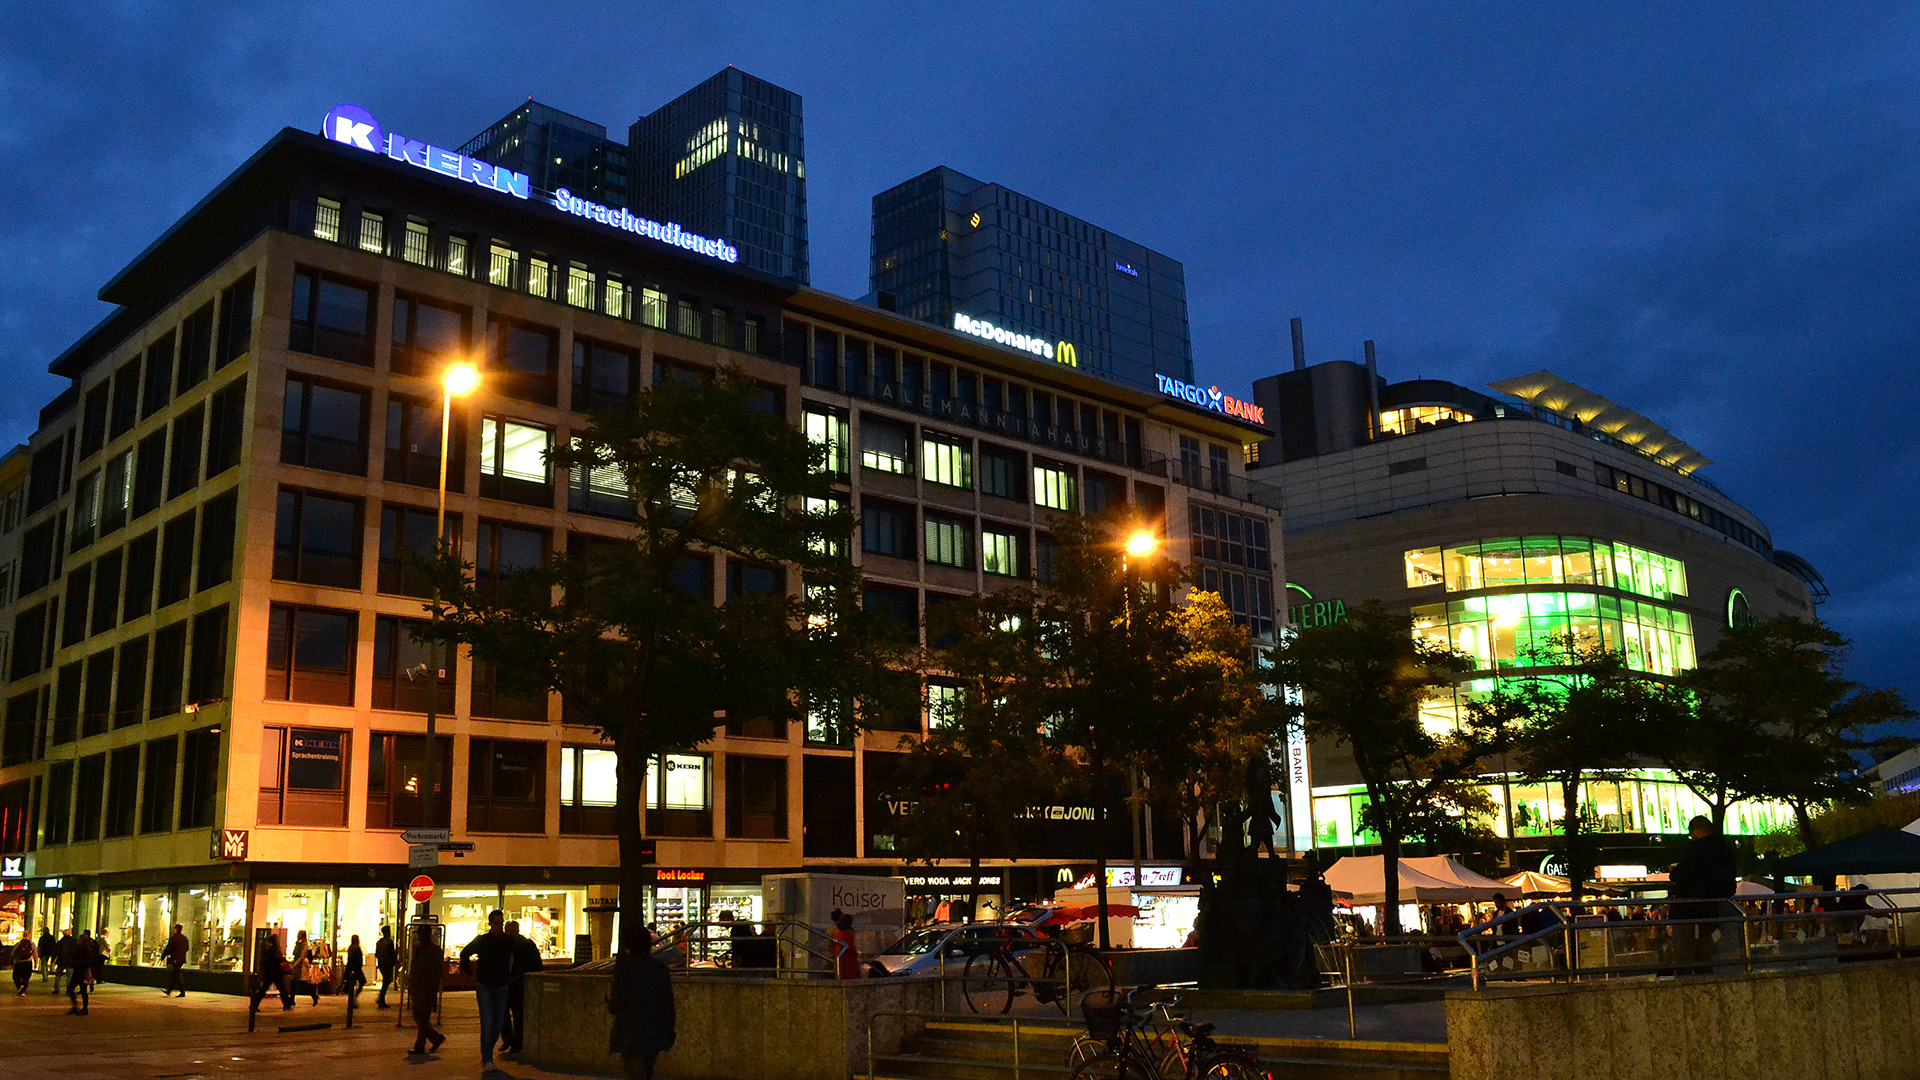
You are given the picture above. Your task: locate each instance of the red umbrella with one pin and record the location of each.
(1092, 911)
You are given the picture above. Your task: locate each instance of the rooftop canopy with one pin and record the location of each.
(1545, 390)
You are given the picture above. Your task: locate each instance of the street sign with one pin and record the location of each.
(454, 845)
(423, 856)
(427, 836)
(421, 889)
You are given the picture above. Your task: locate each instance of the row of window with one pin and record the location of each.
(1680, 503)
(501, 263)
(153, 571)
(1523, 629)
(1547, 560)
(951, 540)
(138, 480)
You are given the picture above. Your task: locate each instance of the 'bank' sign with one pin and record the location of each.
(351, 125)
(1211, 398)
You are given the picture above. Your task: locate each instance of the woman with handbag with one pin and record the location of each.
(302, 961)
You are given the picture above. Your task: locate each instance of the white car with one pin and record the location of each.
(923, 951)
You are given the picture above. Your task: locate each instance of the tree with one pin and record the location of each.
(1775, 718)
(1587, 721)
(629, 635)
(985, 758)
(1360, 684)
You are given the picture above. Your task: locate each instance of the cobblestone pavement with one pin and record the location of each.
(135, 1033)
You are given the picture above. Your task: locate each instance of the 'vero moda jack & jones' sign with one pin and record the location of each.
(354, 126)
(1211, 398)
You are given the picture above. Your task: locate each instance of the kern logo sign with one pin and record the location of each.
(1211, 398)
(351, 125)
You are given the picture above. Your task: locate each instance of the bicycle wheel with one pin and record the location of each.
(989, 982)
(1085, 1049)
(1112, 1066)
(1229, 1067)
(1085, 970)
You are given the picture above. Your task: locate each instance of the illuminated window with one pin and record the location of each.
(579, 286)
(414, 248)
(943, 703)
(1419, 417)
(513, 461)
(619, 298)
(829, 430)
(1053, 486)
(886, 446)
(1000, 553)
(457, 255)
(679, 782)
(540, 278)
(947, 461)
(653, 307)
(373, 232)
(947, 541)
(1548, 560)
(504, 266)
(326, 221)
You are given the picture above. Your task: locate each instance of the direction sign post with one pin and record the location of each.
(426, 836)
(423, 856)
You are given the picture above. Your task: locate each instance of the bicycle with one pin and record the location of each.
(1178, 1050)
(1161, 1043)
(998, 974)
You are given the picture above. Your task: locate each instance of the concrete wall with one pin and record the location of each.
(732, 1028)
(1860, 1021)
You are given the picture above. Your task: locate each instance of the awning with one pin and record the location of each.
(1881, 850)
(1364, 878)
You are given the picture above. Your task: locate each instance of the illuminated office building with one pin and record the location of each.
(947, 246)
(556, 150)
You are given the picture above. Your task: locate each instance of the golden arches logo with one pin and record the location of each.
(1065, 353)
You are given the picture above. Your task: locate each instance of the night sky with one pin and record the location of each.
(1710, 215)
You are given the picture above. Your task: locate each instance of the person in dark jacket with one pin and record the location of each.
(383, 961)
(426, 967)
(526, 957)
(270, 971)
(489, 958)
(1702, 881)
(82, 960)
(62, 957)
(22, 964)
(641, 1002)
(177, 961)
(354, 978)
(45, 948)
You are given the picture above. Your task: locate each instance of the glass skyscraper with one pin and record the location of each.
(947, 245)
(556, 150)
(727, 159)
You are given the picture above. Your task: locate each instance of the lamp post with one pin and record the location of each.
(1140, 545)
(458, 380)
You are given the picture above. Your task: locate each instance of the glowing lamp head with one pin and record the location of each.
(1141, 544)
(461, 379)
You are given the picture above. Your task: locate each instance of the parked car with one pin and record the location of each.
(925, 951)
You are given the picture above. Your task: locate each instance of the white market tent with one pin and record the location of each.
(1434, 879)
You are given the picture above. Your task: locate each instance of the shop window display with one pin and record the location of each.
(120, 922)
(290, 909)
(156, 926)
(549, 917)
(215, 917)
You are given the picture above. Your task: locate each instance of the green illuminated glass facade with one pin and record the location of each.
(1648, 801)
(1547, 560)
(1508, 628)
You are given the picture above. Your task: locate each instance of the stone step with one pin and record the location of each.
(922, 1067)
(963, 1050)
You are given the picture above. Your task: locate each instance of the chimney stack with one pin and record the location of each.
(1373, 393)
(1299, 346)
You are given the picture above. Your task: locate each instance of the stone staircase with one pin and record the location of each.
(977, 1050)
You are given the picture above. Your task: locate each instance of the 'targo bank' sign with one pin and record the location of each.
(1211, 398)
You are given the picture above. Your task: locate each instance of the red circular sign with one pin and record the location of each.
(421, 889)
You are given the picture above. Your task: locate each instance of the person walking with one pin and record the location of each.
(383, 960)
(354, 978)
(45, 948)
(1704, 880)
(526, 957)
(177, 962)
(489, 958)
(641, 1002)
(23, 954)
(426, 967)
(271, 970)
(63, 959)
(80, 967)
(849, 958)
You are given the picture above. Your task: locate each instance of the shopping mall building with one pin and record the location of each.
(215, 709)
(1500, 521)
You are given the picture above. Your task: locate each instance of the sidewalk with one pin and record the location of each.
(134, 1033)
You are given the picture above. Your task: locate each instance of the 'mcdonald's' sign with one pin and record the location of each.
(1211, 398)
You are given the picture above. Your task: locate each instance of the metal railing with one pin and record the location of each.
(793, 950)
(1560, 940)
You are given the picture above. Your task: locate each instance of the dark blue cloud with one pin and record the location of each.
(1711, 216)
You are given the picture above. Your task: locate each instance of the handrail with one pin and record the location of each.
(1687, 944)
(682, 942)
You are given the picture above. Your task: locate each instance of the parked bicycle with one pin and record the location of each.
(1181, 1051)
(1055, 970)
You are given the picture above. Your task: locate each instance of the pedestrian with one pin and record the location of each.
(526, 958)
(80, 963)
(489, 958)
(426, 967)
(177, 962)
(641, 1001)
(1704, 879)
(63, 958)
(383, 958)
(849, 958)
(354, 979)
(45, 948)
(271, 969)
(22, 963)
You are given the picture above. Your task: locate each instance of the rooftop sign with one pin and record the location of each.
(1211, 398)
(668, 233)
(1063, 352)
(354, 126)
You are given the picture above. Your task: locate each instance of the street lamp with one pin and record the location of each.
(458, 380)
(1139, 545)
